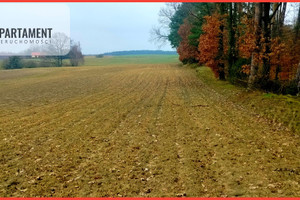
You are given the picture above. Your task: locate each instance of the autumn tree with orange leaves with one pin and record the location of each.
(187, 52)
(209, 43)
(283, 57)
(246, 43)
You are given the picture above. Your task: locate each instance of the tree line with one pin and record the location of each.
(139, 52)
(61, 45)
(245, 43)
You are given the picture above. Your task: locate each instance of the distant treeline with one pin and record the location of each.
(73, 58)
(138, 52)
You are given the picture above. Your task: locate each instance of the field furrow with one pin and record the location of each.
(136, 130)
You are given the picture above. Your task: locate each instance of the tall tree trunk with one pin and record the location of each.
(220, 56)
(297, 27)
(240, 9)
(257, 29)
(232, 27)
(239, 14)
(274, 22)
(282, 14)
(281, 18)
(231, 40)
(277, 20)
(267, 35)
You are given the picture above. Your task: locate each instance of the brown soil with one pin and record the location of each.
(139, 130)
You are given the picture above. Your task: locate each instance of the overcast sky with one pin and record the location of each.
(106, 27)
(99, 27)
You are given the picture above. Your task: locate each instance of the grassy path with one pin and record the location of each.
(138, 130)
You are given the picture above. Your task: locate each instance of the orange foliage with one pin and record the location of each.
(209, 41)
(247, 44)
(186, 51)
(282, 57)
(247, 39)
(246, 69)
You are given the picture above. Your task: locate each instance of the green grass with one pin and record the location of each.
(1, 61)
(281, 109)
(132, 59)
(118, 60)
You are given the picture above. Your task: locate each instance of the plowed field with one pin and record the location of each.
(136, 130)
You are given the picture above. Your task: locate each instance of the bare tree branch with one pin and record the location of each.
(159, 34)
(158, 37)
(276, 9)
